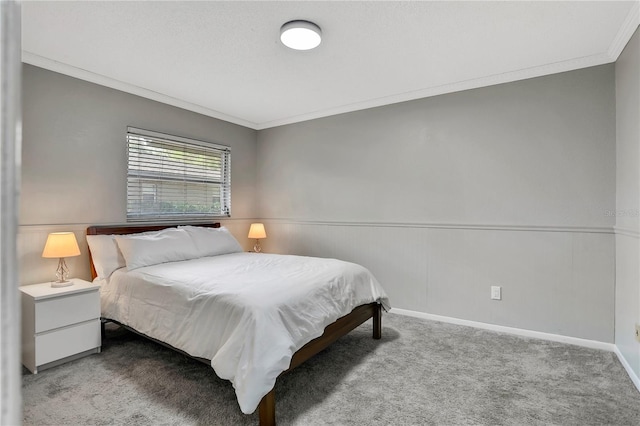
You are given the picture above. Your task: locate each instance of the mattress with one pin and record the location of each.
(246, 312)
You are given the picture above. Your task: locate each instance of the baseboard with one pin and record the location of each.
(593, 344)
(632, 374)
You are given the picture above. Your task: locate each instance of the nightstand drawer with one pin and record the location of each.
(67, 341)
(62, 311)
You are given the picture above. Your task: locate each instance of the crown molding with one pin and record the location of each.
(622, 38)
(491, 80)
(102, 80)
(625, 32)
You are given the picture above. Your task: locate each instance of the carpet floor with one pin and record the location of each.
(420, 373)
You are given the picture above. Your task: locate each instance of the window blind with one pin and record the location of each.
(173, 178)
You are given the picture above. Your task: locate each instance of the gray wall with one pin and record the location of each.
(74, 161)
(628, 202)
(441, 198)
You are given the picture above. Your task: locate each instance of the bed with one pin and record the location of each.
(272, 312)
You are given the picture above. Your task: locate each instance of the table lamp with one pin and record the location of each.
(61, 245)
(257, 231)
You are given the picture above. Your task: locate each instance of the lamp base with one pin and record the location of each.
(58, 284)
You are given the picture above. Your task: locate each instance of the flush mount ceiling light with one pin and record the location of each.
(300, 35)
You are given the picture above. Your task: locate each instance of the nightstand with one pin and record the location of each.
(59, 324)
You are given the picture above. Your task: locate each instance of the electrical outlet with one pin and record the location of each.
(496, 292)
(638, 332)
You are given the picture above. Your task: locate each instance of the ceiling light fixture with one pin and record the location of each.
(300, 35)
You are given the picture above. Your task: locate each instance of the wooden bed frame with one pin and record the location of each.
(266, 409)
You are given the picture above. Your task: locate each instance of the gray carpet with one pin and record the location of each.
(420, 373)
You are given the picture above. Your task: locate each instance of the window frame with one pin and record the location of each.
(164, 139)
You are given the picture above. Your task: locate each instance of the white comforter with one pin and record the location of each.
(248, 313)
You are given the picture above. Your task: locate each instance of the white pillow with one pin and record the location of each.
(213, 241)
(169, 245)
(105, 254)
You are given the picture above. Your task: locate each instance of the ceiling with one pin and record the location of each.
(225, 60)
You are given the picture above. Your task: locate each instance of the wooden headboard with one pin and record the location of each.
(134, 228)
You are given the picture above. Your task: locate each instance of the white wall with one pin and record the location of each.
(628, 202)
(74, 161)
(443, 197)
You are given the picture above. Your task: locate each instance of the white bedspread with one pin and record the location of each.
(248, 313)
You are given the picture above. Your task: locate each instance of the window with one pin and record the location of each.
(173, 178)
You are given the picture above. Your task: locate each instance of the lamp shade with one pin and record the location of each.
(257, 231)
(61, 244)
